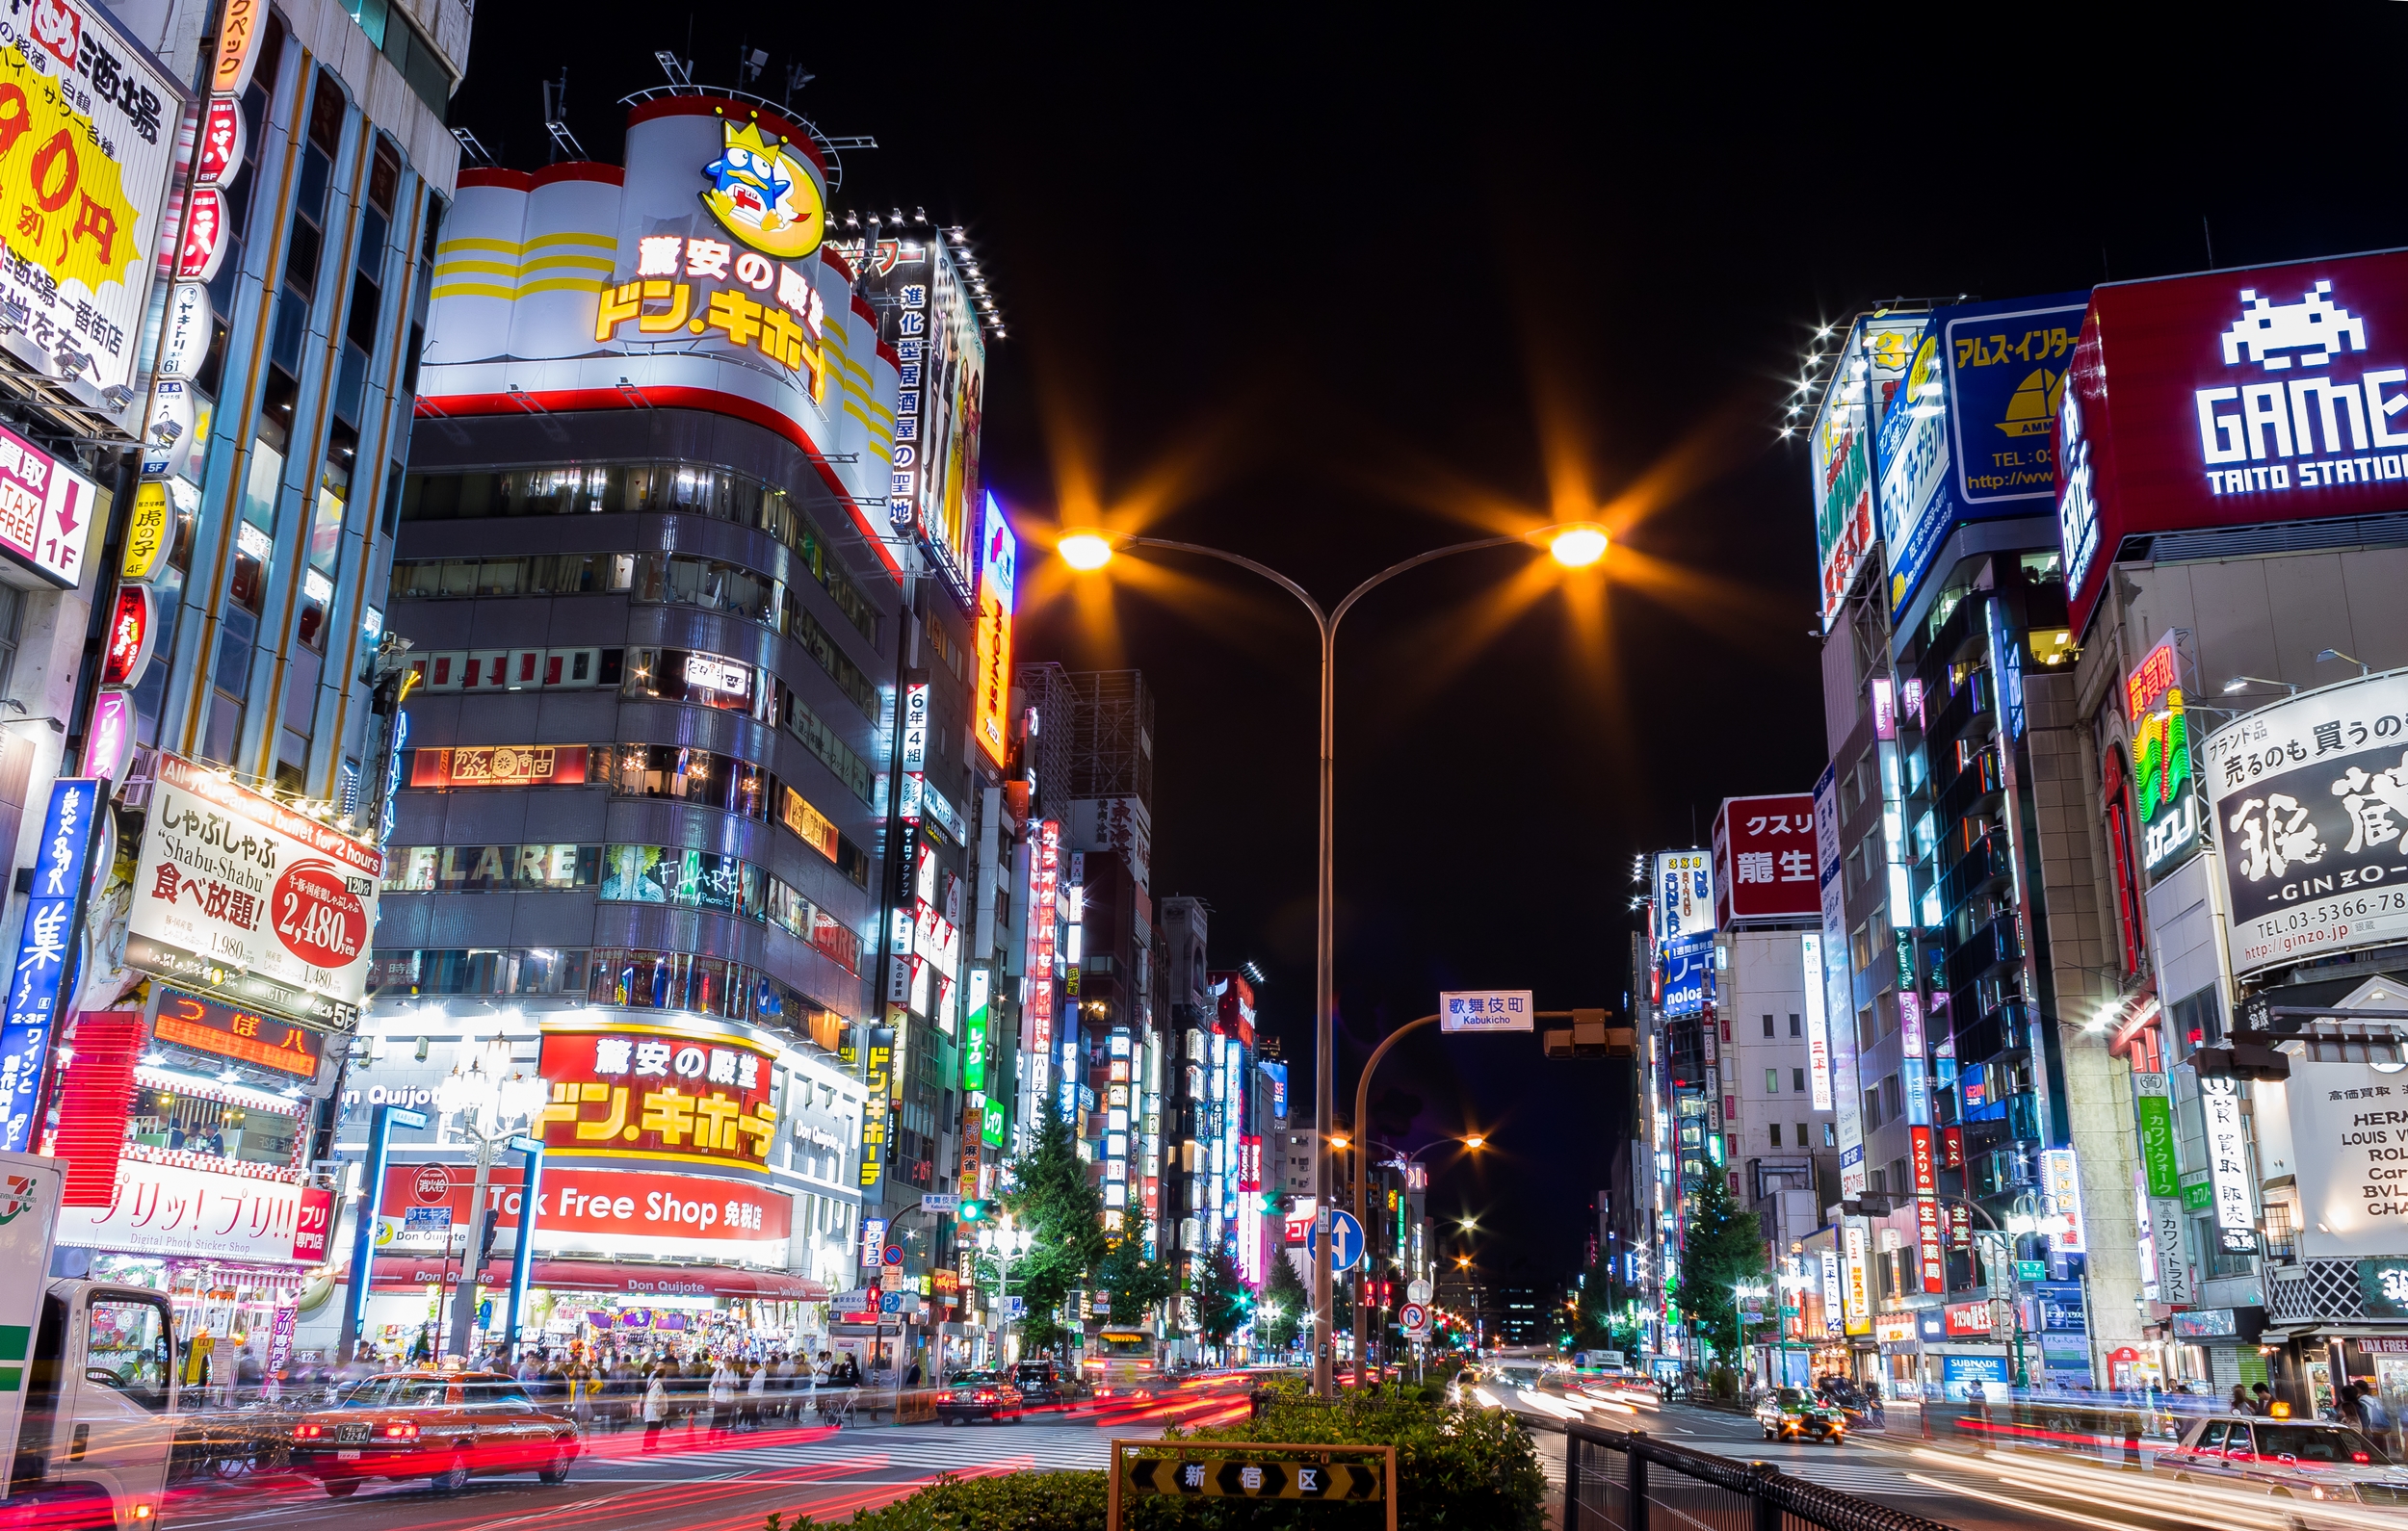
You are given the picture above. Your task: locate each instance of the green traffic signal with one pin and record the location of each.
(973, 1210)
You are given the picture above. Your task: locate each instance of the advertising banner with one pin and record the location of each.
(2165, 1230)
(658, 1092)
(1859, 1297)
(609, 1211)
(2165, 800)
(1872, 363)
(1832, 1305)
(2349, 1148)
(45, 948)
(999, 567)
(165, 1209)
(2309, 799)
(1839, 990)
(1818, 1025)
(230, 882)
(1974, 442)
(878, 1065)
(2061, 1198)
(48, 509)
(88, 127)
(197, 1024)
(2154, 1110)
(1688, 982)
(2231, 399)
(931, 321)
(1763, 859)
(1684, 895)
(2233, 1186)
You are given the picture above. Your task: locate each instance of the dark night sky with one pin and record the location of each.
(1303, 284)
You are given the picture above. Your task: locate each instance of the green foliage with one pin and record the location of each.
(1288, 1300)
(1223, 1300)
(1456, 1471)
(1139, 1285)
(1054, 1201)
(1723, 1248)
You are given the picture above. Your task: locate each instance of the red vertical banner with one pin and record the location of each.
(1927, 1219)
(96, 1096)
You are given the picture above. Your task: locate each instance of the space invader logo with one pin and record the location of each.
(2267, 331)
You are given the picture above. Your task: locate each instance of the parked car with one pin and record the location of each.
(1043, 1385)
(987, 1395)
(2289, 1459)
(445, 1427)
(1793, 1414)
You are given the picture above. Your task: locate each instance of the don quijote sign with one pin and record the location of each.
(234, 885)
(615, 1211)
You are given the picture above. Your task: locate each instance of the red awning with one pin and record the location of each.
(400, 1273)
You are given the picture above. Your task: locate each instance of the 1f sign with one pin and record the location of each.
(1485, 1010)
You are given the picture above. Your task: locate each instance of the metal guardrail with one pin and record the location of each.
(1622, 1480)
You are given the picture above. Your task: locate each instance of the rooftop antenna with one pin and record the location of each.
(680, 73)
(796, 77)
(749, 63)
(554, 119)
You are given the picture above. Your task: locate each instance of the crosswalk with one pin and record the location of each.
(1018, 1446)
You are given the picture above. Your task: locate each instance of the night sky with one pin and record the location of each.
(1331, 290)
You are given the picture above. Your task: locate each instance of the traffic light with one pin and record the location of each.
(972, 1211)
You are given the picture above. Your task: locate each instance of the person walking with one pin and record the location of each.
(2238, 1402)
(2260, 1399)
(757, 1392)
(655, 1409)
(722, 1395)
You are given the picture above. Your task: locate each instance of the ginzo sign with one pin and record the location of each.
(2311, 807)
(2237, 398)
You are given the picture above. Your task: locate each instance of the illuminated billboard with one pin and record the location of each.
(1763, 859)
(1975, 441)
(88, 127)
(928, 319)
(1870, 365)
(696, 277)
(1684, 894)
(2161, 778)
(2237, 398)
(999, 565)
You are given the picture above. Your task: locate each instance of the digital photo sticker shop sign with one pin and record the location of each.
(2310, 811)
(236, 891)
(2235, 399)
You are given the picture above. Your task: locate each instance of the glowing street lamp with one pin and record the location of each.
(1573, 545)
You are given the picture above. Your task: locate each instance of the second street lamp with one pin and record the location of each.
(1574, 545)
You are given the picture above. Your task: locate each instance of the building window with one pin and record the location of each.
(1772, 1081)
(1767, 1026)
(1776, 1134)
(1830, 1135)
(1794, 1028)
(1797, 1080)
(1801, 1134)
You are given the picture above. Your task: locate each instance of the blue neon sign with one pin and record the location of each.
(45, 953)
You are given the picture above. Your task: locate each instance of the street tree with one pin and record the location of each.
(1223, 1302)
(1138, 1285)
(1286, 1300)
(1724, 1248)
(1066, 1216)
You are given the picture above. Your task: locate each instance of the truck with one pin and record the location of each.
(87, 1376)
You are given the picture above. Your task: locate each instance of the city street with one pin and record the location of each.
(697, 1482)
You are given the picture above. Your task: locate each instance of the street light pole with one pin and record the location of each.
(1574, 545)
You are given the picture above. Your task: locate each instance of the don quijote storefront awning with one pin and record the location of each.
(399, 1273)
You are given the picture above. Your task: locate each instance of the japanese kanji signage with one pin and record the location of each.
(2349, 1145)
(1684, 895)
(878, 1067)
(232, 886)
(500, 765)
(654, 1093)
(87, 143)
(2236, 397)
(2311, 799)
(929, 322)
(231, 1031)
(2153, 1110)
(1872, 363)
(47, 509)
(701, 273)
(45, 948)
(1765, 859)
(1486, 1010)
(2060, 1200)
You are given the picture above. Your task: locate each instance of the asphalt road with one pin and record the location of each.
(2008, 1489)
(698, 1483)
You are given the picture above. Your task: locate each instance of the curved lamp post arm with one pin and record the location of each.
(1413, 562)
(1320, 618)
